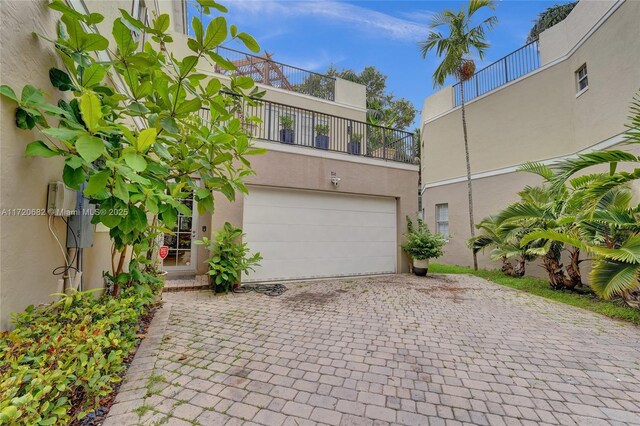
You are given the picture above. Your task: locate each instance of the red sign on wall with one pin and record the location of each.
(163, 252)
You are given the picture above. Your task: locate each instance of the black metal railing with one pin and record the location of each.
(514, 65)
(265, 70)
(311, 129)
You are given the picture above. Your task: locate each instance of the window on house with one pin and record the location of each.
(141, 12)
(581, 78)
(442, 219)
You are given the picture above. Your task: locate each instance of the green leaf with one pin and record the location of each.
(162, 23)
(73, 178)
(169, 124)
(146, 138)
(39, 149)
(249, 42)
(60, 80)
(243, 82)
(8, 92)
(31, 95)
(187, 65)
(136, 108)
(97, 183)
(216, 32)
(90, 148)
(135, 161)
(93, 75)
(122, 36)
(222, 62)
(93, 42)
(213, 87)
(196, 24)
(191, 105)
(213, 4)
(24, 120)
(90, 109)
(66, 10)
(120, 189)
(63, 133)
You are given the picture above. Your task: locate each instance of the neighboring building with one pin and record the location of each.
(311, 212)
(570, 94)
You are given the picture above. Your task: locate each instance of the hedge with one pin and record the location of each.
(62, 359)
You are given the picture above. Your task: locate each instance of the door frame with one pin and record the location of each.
(192, 267)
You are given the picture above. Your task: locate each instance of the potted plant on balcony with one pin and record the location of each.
(287, 134)
(322, 136)
(353, 147)
(422, 245)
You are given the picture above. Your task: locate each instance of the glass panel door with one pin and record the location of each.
(182, 253)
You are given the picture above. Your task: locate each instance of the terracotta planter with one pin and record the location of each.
(420, 267)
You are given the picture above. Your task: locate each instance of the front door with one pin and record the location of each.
(182, 253)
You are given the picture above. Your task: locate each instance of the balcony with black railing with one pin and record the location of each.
(513, 66)
(264, 70)
(307, 129)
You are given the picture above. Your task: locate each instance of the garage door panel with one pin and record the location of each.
(290, 233)
(305, 234)
(310, 216)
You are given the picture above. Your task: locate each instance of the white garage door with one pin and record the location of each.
(308, 234)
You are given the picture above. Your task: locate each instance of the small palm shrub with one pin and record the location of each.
(229, 258)
(421, 243)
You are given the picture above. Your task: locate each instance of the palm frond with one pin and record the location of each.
(628, 252)
(611, 278)
(537, 168)
(567, 168)
(549, 234)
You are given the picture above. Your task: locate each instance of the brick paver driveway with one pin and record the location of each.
(385, 350)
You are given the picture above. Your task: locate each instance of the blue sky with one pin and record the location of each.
(354, 34)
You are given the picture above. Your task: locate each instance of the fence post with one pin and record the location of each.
(506, 71)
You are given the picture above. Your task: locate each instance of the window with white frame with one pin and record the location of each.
(140, 12)
(442, 219)
(582, 80)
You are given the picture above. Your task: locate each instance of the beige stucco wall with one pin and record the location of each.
(539, 117)
(299, 171)
(558, 40)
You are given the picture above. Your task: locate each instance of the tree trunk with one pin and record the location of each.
(507, 267)
(468, 160)
(520, 267)
(552, 264)
(573, 269)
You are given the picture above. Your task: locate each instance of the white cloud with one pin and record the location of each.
(410, 29)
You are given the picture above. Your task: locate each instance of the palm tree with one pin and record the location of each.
(455, 49)
(609, 223)
(549, 18)
(504, 239)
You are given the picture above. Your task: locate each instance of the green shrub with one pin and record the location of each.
(63, 358)
(421, 243)
(229, 257)
(287, 122)
(322, 129)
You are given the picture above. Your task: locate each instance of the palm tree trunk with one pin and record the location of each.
(472, 227)
(573, 269)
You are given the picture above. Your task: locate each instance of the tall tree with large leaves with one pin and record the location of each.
(455, 46)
